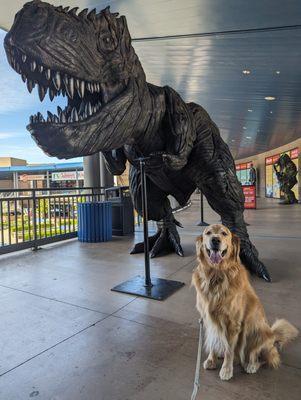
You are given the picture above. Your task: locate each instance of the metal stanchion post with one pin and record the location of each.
(148, 282)
(152, 288)
(202, 222)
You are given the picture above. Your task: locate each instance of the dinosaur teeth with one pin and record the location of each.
(85, 94)
(74, 115)
(42, 91)
(48, 74)
(69, 85)
(81, 108)
(33, 66)
(89, 109)
(63, 118)
(30, 85)
(40, 117)
(51, 94)
(81, 88)
(57, 80)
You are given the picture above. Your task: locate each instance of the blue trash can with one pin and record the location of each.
(94, 221)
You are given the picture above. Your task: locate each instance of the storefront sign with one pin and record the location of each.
(243, 172)
(250, 196)
(67, 176)
(28, 178)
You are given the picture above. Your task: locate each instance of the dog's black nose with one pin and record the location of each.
(215, 242)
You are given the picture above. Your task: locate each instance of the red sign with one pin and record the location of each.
(269, 161)
(276, 158)
(250, 196)
(249, 165)
(295, 153)
(237, 166)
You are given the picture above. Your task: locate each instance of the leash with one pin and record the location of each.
(198, 364)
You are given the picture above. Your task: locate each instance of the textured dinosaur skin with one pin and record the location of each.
(89, 58)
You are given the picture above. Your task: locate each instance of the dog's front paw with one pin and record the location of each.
(209, 364)
(252, 368)
(226, 373)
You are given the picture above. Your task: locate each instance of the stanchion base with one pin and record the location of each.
(202, 223)
(161, 289)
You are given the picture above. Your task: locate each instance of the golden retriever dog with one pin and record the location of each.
(234, 319)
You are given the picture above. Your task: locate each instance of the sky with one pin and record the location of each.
(16, 105)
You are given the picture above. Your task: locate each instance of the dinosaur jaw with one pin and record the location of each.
(89, 121)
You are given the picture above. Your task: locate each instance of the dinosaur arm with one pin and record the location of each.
(115, 161)
(180, 130)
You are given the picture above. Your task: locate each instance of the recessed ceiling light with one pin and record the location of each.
(271, 112)
(250, 110)
(244, 128)
(270, 98)
(233, 140)
(277, 72)
(248, 137)
(246, 71)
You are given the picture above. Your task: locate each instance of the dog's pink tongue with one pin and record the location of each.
(215, 257)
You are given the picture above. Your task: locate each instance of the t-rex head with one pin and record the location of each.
(87, 57)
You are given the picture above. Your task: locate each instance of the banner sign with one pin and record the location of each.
(28, 178)
(243, 172)
(250, 196)
(67, 176)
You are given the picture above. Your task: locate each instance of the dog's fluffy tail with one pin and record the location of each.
(284, 332)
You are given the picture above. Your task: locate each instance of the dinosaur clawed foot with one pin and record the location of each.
(165, 241)
(249, 257)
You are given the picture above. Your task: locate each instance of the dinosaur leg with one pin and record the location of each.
(224, 194)
(166, 240)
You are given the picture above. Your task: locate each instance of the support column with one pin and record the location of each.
(91, 171)
(16, 180)
(106, 178)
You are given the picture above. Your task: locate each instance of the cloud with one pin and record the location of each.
(9, 135)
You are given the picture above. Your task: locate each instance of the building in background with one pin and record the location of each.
(17, 174)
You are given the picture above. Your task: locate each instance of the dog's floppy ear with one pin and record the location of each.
(235, 247)
(198, 245)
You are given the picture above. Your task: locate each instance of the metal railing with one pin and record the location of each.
(30, 218)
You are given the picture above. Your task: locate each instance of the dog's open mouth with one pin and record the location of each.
(216, 256)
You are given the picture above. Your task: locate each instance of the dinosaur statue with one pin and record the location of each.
(88, 57)
(286, 176)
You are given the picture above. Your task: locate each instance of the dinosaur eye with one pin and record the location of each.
(106, 42)
(107, 39)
